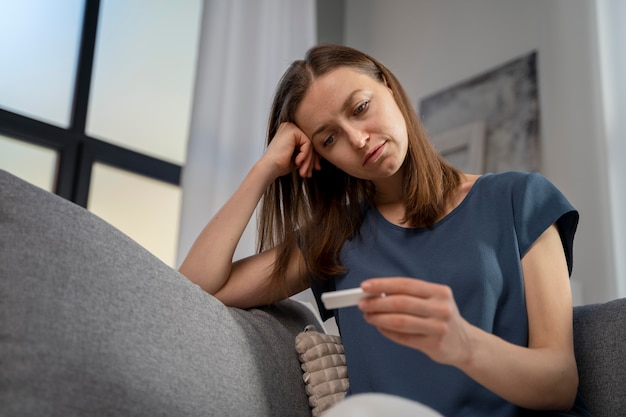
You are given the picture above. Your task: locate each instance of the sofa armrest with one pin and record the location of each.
(600, 345)
(92, 324)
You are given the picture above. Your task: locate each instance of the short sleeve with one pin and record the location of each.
(537, 204)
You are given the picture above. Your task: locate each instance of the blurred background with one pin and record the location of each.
(150, 112)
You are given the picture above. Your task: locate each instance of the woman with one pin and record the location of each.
(476, 317)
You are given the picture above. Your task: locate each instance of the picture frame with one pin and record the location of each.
(463, 147)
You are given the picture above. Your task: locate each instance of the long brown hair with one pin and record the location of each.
(320, 213)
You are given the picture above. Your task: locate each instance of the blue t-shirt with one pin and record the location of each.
(476, 250)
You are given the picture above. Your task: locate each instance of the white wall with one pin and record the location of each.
(432, 44)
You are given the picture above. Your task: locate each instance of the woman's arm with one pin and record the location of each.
(543, 375)
(209, 262)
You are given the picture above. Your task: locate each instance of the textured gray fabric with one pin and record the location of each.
(92, 324)
(600, 344)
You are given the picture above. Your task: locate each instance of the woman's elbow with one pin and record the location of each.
(564, 391)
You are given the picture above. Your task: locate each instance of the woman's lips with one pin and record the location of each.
(374, 154)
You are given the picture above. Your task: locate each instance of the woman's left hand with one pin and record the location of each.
(419, 314)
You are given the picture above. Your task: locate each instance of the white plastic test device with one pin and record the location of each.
(343, 298)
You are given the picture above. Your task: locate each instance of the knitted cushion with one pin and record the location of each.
(324, 366)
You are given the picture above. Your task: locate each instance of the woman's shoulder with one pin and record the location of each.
(514, 181)
(531, 193)
(509, 176)
(517, 188)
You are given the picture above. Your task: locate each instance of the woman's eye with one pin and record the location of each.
(361, 107)
(329, 140)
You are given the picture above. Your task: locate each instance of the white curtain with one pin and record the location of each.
(245, 47)
(612, 51)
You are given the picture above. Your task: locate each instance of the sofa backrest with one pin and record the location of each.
(600, 345)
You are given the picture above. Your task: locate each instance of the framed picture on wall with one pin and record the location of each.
(463, 146)
(490, 122)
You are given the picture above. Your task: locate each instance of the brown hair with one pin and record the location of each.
(320, 213)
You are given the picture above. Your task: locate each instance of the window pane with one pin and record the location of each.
(35, 164)
(39, 42)
(144, 69)
(145, 209)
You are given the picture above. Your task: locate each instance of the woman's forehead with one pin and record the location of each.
(330, 92)
(336, 86)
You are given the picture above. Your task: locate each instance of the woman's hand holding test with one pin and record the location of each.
(418, 314)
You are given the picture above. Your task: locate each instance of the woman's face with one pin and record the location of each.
(354, 122)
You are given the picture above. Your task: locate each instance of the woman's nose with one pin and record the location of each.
(358, 138)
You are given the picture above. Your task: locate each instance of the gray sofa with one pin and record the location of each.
(91, 324)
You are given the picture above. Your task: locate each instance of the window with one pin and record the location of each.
(34, 163)
(95, 105)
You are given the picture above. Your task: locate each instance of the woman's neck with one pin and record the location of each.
(389, 198)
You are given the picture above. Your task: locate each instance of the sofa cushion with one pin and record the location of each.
(92, 324)
(325, 373)
(600, 345)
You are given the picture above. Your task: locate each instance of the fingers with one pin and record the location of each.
(407, 286)
(306, 160)
(418, 314)
(423, 342)
(416, 323)
(406, 300)
(398, 322)
(289, 141)
(396, 304)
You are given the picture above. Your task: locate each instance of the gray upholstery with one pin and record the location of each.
(91, 324)
(600, 344)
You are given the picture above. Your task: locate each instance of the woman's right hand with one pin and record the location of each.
(291, 149)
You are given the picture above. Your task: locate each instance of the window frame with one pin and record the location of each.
(77, 151)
